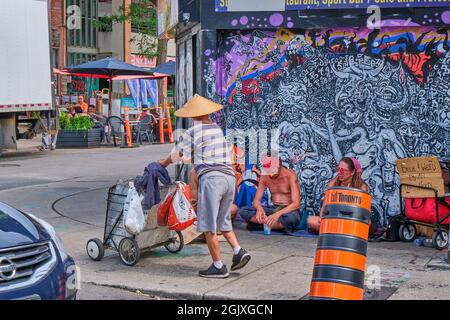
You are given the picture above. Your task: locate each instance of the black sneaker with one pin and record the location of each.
(213, 272)
(240, 260)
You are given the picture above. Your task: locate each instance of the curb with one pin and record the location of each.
(174, 295)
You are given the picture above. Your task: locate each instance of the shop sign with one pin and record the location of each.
(224, 5)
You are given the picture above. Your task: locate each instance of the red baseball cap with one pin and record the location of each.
(270, 165)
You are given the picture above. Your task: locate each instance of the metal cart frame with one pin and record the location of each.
(407, 229)
(117, 238)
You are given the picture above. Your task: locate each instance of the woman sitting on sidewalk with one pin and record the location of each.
(349, 174)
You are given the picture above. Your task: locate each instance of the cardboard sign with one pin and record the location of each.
(422, 172)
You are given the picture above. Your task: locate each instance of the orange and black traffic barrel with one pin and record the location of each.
(340, 262)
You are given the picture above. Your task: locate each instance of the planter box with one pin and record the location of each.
(73, 139)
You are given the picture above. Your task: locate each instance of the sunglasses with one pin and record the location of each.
(342, 170)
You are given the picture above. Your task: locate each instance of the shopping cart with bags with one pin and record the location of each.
(431, 212)
(129, 246)
(423, 200)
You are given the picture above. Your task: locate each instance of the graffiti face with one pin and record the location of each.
(444, 117)
(309, 181)
(389, 98)
(340, 92)
(293, 143)
(409, 136)
(351, 103)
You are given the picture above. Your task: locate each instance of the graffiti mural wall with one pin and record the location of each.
(378, 95)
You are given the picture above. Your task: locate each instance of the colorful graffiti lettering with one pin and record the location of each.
(78, 86)
(378, 95)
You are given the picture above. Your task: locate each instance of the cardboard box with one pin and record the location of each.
(190, 234)
(424, 231)
(421, 172)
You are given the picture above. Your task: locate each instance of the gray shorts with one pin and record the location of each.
(215, 199)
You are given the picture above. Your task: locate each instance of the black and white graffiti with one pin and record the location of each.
(378, 95)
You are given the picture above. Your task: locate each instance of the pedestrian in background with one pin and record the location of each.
(50, 121)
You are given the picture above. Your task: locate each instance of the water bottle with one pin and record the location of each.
(428, 243)
(266, 229)
(423, 242)
(419, 241)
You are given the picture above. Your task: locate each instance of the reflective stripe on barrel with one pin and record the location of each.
(346, 212)
(342, 247)
(342, 242)
(329, 290)
(341, 258)
(338, 274)
(342, 226)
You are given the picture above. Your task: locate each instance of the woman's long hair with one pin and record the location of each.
(357, 181)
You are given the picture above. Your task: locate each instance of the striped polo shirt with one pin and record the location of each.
(207, 147)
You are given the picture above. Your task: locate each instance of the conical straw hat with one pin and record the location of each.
(197, 106)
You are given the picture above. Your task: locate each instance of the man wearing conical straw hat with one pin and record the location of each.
(216, 186)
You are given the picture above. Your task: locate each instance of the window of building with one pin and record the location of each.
(86, 35)
(77, 58)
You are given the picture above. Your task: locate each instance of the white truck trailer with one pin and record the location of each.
(25, 66)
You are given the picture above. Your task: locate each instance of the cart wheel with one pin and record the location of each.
(95, 249)
(176, 243)
(440, 239)
(407, 232)
(129, 251)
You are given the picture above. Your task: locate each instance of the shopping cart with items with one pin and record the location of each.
(117, 238)
(424, 205)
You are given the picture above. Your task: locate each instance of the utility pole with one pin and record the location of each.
(162, 57)
(127, 33)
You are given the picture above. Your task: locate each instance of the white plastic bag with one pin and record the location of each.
(183, 207)
(134, 217)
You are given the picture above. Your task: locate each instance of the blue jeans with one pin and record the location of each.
(49, 141)
(290, 221)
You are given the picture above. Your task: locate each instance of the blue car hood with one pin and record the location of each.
(17, 229)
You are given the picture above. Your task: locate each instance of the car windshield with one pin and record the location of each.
(15, 227)
(3, 215)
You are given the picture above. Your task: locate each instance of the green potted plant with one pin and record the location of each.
(78, 132)
(172, 117)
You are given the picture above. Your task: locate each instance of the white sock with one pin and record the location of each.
(218, 264)
(236, 250)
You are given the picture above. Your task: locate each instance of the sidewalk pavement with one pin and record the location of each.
(68, 188)
(281, 267)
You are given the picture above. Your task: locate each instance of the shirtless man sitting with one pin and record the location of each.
(285, 190)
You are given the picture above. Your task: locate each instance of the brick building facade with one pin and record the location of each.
(58, 33)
